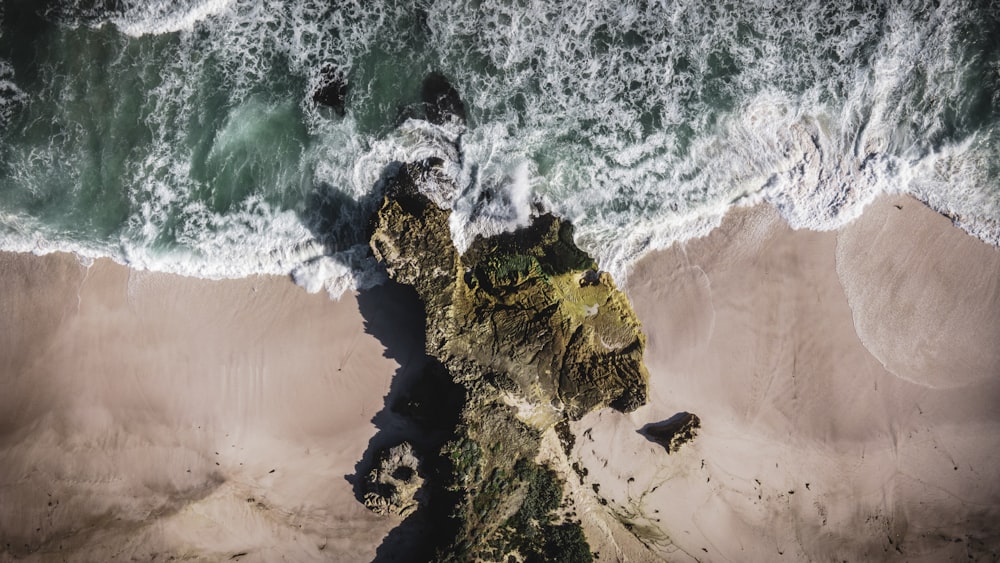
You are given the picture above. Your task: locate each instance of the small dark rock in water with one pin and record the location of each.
(590, 278)
(441, 100)
(332, 92)
(673, 432)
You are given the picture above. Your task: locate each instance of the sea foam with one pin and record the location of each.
(643, 123)
(10, 95)
(139, 18)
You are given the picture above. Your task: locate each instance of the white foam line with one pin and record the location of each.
(156, 18)
(641, 124)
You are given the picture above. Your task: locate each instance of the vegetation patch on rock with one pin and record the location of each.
(536, 335)
(528, 312)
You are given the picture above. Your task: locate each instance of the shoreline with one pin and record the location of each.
(795, 348)
(303, 269)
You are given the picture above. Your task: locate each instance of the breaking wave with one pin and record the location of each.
(182, 136)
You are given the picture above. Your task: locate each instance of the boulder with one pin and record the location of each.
(673, 432)
(393, 484)
(332, 91)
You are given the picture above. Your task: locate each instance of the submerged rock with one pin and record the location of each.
(441, 101)
(392, 486)
(332, 92)
(673, 432)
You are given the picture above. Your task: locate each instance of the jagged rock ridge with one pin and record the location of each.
(393, 485)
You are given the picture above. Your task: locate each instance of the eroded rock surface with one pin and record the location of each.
(392, 486)
(536, 335)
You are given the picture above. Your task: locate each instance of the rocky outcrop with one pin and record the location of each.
(673, 432)
(393, 485)
(526, 313)
(535, 334)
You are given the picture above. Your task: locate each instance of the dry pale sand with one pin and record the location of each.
(848, 386)
(150, 416)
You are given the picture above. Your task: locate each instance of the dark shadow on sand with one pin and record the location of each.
(672, 432)
(394, 316)
(422, 407)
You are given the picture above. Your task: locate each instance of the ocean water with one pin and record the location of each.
(181, 136)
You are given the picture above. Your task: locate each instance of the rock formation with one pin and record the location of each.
(392, 486)
(441, 101)
(526, 313)
(536, 335)
(332, 92)
(673, 432)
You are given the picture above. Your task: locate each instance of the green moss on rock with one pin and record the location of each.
(527, 307)
(536, 334)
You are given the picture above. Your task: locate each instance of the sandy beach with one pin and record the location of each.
(846, 381)
(847, 385)
(154, 416)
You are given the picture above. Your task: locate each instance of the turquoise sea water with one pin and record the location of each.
(182, 136)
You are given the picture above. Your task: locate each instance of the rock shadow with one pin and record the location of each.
(393, 314)
(422, 407)
(339, 221)
(423, 404)
(673, 432)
